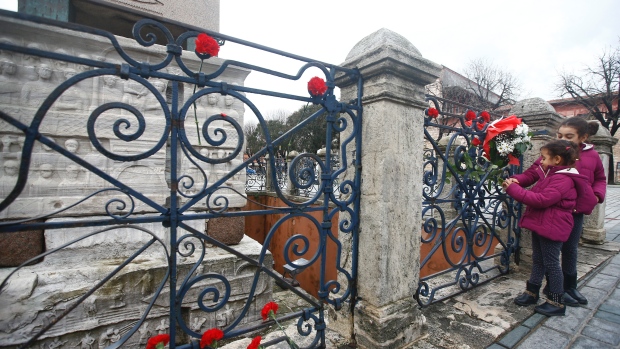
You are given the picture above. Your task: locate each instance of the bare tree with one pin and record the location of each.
(597, 89)
(490, 86)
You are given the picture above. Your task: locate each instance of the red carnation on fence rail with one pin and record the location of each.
(158, 342)
(485, 116)
(432, 112)
(210, 338)
(470, 115)
(206, 45)
(317, 87)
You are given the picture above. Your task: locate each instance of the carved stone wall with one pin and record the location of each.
(38, 294)
(55, 182)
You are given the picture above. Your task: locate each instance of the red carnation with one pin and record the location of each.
(214, 334)
(268, 308)
(485, 116)
(255, 344)
(432, 112)
(513, 160)
(475, 142)
(316, 86)
(470, 115)
(155, 341)
(206, 45)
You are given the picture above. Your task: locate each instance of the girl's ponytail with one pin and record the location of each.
(592, 128)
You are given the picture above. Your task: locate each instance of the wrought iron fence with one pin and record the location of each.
(469, 224)
(256, 178)
(184, 284)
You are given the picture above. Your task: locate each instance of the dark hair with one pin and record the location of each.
(582, 126)
(567, 150)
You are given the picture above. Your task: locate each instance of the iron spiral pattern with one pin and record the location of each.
(156, 131)
(469, 229)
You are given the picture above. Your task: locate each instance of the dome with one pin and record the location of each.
(532, 106)
(382, 38)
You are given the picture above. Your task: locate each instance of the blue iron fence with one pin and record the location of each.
(191, 195)
(256, 179)
(469, 224)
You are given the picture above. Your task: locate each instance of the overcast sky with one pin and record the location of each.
(533, 39)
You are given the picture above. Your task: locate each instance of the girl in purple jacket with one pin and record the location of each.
(549, 215)
(576, 130)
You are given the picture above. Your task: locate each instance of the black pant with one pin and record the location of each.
(546, 259)
(569, 248)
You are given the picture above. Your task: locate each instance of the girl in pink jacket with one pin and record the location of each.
(576, 130)
(549, 215)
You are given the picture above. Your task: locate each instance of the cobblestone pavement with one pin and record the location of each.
(596, 325)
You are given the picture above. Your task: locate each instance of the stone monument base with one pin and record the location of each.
(396, 325)
(38, 294)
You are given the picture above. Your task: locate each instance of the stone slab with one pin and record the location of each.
(569, 323)
(603, 282)
(611, 270)
(534, 320)
(610, 308)
(607, 316)
(515, 336)
(594, 295)
(604, 325)
(38, 295)
(601, 335)
(545, 338)
(587, 343)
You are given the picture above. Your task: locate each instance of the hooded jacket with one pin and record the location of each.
(551, 202)
(589, 164)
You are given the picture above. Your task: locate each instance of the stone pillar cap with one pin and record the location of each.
(534, 105)
(382, 38)
(292, 154)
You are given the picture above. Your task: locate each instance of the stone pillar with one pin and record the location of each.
(394, 73)
(268, 182)
(290, 188)
(541, 117)
(593, 225)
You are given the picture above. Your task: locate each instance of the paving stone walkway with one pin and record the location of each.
(596, 325)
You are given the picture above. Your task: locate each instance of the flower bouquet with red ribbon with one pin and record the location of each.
(503, 143)
(506, 140)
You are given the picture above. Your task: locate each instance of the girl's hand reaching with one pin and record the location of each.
(508, 182)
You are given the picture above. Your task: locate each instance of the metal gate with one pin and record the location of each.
(469, 224)
(193, 194)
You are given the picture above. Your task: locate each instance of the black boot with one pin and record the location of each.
(553, 306)
(530, 296)
(568, 300)
(570, 287)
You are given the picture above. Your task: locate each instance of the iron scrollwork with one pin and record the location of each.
(146, 126)
(469, 223)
